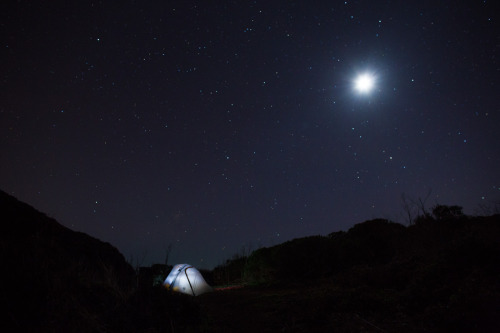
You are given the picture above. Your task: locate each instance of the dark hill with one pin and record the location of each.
(55, 279)
(439, 275)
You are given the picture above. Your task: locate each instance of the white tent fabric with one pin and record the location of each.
(186, 279)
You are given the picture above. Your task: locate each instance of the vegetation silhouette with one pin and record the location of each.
(440, 273)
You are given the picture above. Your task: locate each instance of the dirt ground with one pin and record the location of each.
(290, 309)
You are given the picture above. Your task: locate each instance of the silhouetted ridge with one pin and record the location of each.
(56, 279)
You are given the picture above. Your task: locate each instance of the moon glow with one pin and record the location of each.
(364, 83)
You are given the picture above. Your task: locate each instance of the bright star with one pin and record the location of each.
(364, 83)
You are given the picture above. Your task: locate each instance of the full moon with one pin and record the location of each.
(364, 83)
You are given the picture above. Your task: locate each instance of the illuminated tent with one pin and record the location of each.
(186, 279)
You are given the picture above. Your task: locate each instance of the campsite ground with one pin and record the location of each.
(300, 308)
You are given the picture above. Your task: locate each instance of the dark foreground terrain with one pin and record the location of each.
(441, 274)
(319, 307)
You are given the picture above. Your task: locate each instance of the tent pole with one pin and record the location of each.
(185, 272)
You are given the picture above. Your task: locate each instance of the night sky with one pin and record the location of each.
(221, 125)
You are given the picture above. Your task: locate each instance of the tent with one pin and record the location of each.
(186, 279)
